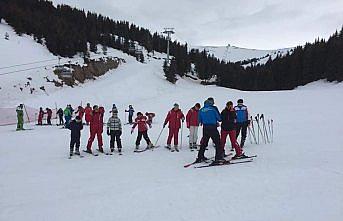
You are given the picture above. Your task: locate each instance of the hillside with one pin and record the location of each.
(236, 54)
(68, 31)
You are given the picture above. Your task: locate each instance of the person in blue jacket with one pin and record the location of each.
(242, 121)
(209, 117)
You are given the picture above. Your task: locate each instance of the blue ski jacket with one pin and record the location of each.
(209, 115)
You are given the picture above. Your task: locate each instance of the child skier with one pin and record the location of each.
(114, 130)
(193, 125)
(131, 111)
(20, 117)
(174, 118)
(75, 126)
(141, 121)
(228, 116)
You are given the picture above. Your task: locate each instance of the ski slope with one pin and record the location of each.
(298, 177)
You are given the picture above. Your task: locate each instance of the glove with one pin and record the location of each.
(131, 131)
(248, 123)
(108, 132)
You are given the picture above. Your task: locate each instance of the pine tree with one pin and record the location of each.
(170, 71)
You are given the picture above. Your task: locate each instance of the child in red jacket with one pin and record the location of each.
(143, 124)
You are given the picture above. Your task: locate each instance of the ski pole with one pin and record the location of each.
(253, 129)
(158, 138)
(258, 126)
(265, 129)
(269, 130)
(249, 135)
(252, 133)
(271, 122)
(181, 133)
(28, 118)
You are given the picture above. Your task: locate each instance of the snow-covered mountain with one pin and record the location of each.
(297, 177)
(235, 54)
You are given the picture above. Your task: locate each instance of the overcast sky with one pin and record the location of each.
(262, 24)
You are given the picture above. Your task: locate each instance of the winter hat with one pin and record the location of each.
(139, 114)
(176, 105)
(197, 105)
(240, 101)
(78, 119)
(211, 100)
(95, 106)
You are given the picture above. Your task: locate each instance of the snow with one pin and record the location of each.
(234, 54)
(297, 178)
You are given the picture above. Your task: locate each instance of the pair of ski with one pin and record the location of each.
(246, 159)
(147, 148)
(96, 154)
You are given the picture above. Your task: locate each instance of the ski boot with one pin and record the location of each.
(201, 159)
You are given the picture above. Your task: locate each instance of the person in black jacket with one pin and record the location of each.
(75, 126)
(60, 116)
(228, 127)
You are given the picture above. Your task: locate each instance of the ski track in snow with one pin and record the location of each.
(298, 177)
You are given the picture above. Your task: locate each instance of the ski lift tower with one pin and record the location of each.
(168, 32)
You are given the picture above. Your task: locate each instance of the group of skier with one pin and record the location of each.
(233, 120)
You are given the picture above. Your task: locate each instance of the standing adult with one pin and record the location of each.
(228, 116)
(67, 116)
(20, 117)
(60, 116)
(88, 113)
(192, 122)
(96, 128)
(209, 118)
(173, 119)
(242, 121)
(40, 116)
(49, 116)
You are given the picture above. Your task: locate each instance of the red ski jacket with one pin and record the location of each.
(81, 111)
(88, 113)
(96, 122)
(174, 119)
(49, 112)
(142, 124)
(192, 118)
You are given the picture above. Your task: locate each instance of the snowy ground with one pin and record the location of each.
(298, 177)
